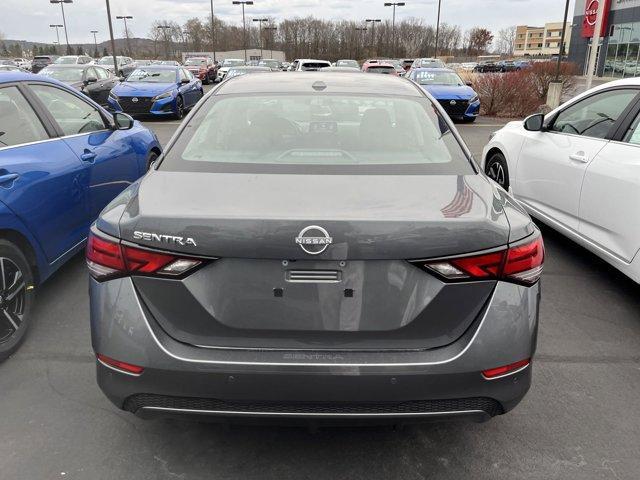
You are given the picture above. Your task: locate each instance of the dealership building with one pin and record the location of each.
(619, 48)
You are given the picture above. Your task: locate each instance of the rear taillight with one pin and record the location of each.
(498, 372)
(521, 263)
(118, 365)
(109, 258)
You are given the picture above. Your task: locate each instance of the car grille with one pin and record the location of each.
(143, 105)
(417, 407)
(456, 110)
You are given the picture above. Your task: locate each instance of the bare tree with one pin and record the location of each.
(505, 40)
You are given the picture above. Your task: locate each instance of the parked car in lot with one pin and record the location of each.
(407, 63)
(62, 160)
(203, 68)
(157, 90)
(226, 65)
(23, 63)
(486, 67)
(577, 170)
(11, 68)
(340, 69)
(73, 60)
(507, 66)
(310, 65)
(125, 66)
(377, 66)
(246, 69)
(171, 63)
(144, 63)
(315, 253)
(41, 61)
(457, 98)
(428, 63)
(348, 63)
(8, 62)
(274, 65)
(468, 66)
(92, 80)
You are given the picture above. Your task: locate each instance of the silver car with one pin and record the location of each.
(320, 245)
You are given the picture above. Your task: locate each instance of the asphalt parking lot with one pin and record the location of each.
(581, 419)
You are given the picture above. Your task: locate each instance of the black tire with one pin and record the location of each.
(153, 156)
(469, 119)
(15, 303)
(179, 113)
(497, 170)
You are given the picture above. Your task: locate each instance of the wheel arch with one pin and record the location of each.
(23, 243)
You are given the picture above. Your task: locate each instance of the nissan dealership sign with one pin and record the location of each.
(591, 15)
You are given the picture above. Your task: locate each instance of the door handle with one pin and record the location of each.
(8, 178)
(579, 157)
(88, 156)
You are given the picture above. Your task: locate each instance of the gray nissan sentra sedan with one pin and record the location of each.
(315, 245)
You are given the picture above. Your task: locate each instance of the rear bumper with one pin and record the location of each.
(407, 385)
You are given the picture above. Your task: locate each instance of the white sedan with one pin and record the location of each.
(577, 169)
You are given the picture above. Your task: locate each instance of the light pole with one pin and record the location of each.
(164, 29)
(272, 30)
(373, 22)
(213, 33)
(364, 32)
(113, 42)
(64, 20)
(57, 33)
(95, 43)
(437, 30)
(244, 24)
(393, 23)
(126, 29)
(261, 21)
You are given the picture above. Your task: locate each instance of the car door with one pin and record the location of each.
(552, 163)
(41, 179)
(106, 82)
(611, 193)
(190, 89)
(110, 155)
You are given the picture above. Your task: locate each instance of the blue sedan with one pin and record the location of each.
(63, 158)
(157, 90)
(457, 98)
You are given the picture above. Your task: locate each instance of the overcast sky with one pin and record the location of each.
(30, 19)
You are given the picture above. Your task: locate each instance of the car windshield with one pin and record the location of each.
(106, 61)
(232, 63)
(151, 75)
(66, 61)
(381, 69)
(308, 133)
(41, 59)
(63, 74)
(313, 66)
(195, 61)
(438, 78)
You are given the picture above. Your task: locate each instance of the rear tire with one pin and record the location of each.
(497, 170)
(179, 113)
(153, 156)
(16, 298)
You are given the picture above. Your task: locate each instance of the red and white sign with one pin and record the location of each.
(591, 16)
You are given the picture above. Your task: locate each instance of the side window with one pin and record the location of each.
(91, 73)
(594, 116)
(184, 74)
(72, 114)
(18, 122)
(102, 73)
(633, 135)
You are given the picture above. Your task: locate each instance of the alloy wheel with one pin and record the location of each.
(12, 298)
(496, 173)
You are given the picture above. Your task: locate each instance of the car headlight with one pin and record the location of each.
(113, 96)
(162, 96)
(474, 99)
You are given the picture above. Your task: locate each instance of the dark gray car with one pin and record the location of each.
(315, 245)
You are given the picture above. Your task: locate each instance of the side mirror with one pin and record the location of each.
(123, 121)
(534, 123)
(184, 80)
(90, 80)
(469, 84)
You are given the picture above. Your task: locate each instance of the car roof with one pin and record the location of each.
(11, 77)
(336, 82)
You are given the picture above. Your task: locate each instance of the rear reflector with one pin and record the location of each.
(108, 258)
(506, 369)
(521, 263)
(118, 365)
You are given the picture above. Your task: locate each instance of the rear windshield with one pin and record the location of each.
(317, 134)
(313, 66)
(381, 69)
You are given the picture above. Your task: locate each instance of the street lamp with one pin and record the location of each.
(64, 20)
(95, 43)
(271, 29)
(261, 20)
(57, 33)
(561, 49)
(244, 24)
(373, 22)
(164, 29)
(393, 23)
(113, 42)
(213, 33)
(437, 30)
(126, 29)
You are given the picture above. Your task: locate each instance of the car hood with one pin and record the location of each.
(142, 89)
(450, 92)
(259, 216)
